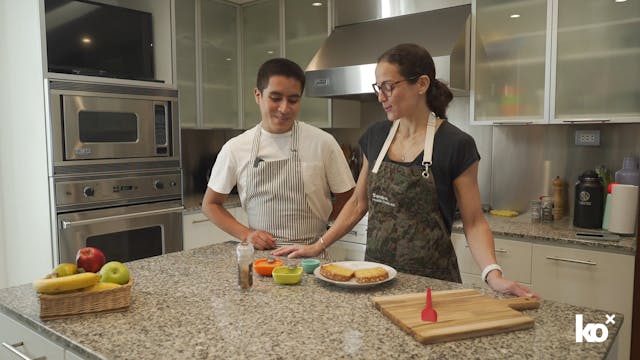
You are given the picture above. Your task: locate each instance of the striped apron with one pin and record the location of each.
(276, 201)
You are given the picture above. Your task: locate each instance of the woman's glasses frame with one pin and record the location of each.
(386, 87)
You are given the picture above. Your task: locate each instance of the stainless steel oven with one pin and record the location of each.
(128, 216)
(103, 125)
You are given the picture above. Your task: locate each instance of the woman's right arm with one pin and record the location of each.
(353, 210)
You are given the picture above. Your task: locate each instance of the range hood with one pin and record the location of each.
(344, 66)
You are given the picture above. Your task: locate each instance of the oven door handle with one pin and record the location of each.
(69, 224)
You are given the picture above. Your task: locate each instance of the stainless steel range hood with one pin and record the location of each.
(344, 66)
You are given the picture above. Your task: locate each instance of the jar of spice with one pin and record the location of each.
(244, 251)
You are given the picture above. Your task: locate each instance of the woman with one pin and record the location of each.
(423, 166)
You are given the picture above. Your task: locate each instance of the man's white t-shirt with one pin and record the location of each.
(324, 168)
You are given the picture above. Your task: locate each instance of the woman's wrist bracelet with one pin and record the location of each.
(322, 243)
(489, 268)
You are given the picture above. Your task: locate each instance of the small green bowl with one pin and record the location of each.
(309, 265)
(284, 275)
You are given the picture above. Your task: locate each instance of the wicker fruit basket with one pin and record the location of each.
(84, 302)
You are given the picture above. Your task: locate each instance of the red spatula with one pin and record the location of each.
(428, 314)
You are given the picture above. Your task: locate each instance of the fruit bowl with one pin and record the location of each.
(286, 276)
(84, 302)
(265, 267)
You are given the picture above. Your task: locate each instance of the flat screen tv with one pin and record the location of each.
(95, 39)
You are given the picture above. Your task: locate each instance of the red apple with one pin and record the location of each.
(90, 259)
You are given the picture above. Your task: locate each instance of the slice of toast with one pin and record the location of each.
(336, 272)
(371, 275)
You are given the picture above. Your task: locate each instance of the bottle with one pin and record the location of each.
(536, 211)
(244, 250)
(588, 207)
(559, 198)
(607, 207)
(629, 174)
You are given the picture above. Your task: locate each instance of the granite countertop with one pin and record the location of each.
(560, 232)
(186, 305)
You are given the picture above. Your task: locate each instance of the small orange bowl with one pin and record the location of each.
(264, 267)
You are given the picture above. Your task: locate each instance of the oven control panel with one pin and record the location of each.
(99, 190)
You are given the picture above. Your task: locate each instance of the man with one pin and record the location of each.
(285, 170)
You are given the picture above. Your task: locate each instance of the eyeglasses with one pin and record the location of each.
(386, 87)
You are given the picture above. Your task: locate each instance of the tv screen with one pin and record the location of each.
(90, 38)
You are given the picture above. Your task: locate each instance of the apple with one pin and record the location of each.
(90, 259)
(114, 272)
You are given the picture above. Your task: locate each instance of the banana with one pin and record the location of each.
(56, 285)
(102, 286)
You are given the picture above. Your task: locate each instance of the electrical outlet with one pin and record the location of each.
(588, 137)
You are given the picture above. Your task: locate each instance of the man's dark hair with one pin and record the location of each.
(279, 66)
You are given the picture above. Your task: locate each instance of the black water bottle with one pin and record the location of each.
(588, 205)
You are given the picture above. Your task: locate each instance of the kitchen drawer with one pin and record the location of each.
(474, 280)
(513, 256)
(33, 345)
(588, 278)
(72, 356)
(199, 231)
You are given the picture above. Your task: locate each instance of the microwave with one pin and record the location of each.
(113, 125)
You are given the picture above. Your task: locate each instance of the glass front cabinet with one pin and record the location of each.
(555, 61)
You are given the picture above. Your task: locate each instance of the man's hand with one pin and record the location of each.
(261, 240)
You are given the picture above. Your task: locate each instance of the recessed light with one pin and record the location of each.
(86, 40)
(269, 52)
(228, 59)
(316, 4)
(514, 16)
(621, 0)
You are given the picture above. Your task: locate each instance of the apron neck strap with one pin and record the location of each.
(293, 146)
(428, 144)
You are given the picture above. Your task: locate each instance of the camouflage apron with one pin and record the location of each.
(276, 201)
(406, 229)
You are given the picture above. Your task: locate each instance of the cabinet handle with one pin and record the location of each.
(12, 348)
(585, 120)
(353, 232)
(496, 250)
(199, 221)
(585, 262)
(497, 122)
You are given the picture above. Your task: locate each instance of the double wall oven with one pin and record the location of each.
(116, 173)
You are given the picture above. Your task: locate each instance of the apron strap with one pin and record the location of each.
(428, 145)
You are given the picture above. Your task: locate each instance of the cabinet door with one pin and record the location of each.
(199, 231)
(219, 39)
(513, 256)
(597, 56)
(186, 62)
(306, 28)
(261, 34)
(510, 73)
(587, 278)
(25, 341)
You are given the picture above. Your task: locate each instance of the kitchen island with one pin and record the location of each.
(186, 305)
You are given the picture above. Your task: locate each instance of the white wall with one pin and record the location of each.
(24, 190)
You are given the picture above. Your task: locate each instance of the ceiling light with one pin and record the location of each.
(270, 52)
(316, 3)
(621, 0)
(514, 16)
(86, 40)
(228, 59)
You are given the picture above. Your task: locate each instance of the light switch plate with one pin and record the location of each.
(588, 137)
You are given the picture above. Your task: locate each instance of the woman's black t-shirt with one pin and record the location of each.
(453, 152)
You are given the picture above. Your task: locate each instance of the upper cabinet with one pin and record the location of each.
(551, 61)
(207, 63)
(597, 61)
(119, 42)
(261, 35)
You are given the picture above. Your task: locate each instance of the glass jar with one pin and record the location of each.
(244, 251)
(546, 207)
(536, 211)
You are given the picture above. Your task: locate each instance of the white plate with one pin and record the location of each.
(356, 265)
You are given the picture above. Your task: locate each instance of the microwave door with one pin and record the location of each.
(107, 128)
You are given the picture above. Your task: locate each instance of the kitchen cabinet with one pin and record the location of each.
(513, 256)
(575, 276)
(352, 246)
(21, 340)
(199, 231)
(550, 61)
(207, 63)
(587, 278)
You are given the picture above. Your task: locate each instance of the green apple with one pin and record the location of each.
(114, 272)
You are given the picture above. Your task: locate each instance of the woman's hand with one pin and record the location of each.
(505, 286)
(298, 250)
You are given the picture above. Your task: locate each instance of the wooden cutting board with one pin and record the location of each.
(462, 314)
